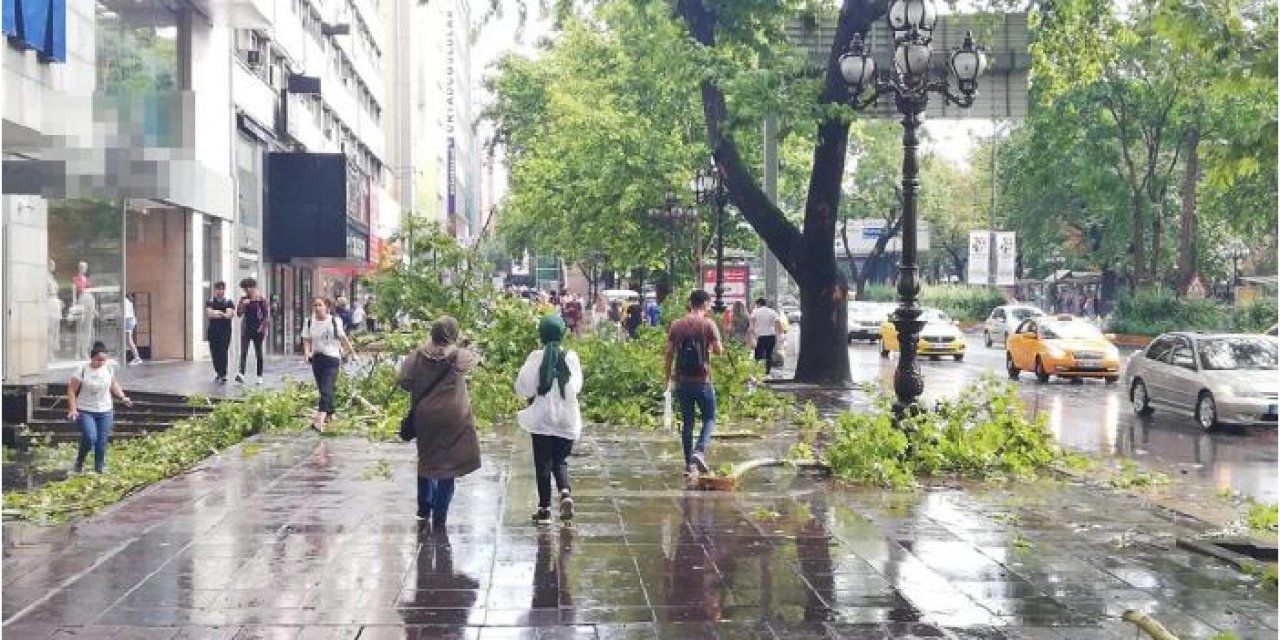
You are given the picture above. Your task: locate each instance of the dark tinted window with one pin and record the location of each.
(1159, 350)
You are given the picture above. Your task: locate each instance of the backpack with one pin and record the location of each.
(691, 358)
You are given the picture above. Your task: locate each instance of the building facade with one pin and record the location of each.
(138, 143)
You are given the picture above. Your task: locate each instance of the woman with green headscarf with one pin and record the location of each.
(552, 377)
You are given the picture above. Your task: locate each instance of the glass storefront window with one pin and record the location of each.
(86, 279)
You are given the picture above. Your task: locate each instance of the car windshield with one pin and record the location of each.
(1022, 313)
(1221, 354)
(1069, 330)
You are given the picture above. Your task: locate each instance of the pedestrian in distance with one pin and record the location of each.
(448, 447)
(219, 310)
(691, 341)
(89, 404)
(255, 315)
(342, 309)
(653, 312)
(572, 313)
(323, 339)
(130, 329)
(357, 317)
(632, 318)
(740, 323)
(552, 378)
(766, 326)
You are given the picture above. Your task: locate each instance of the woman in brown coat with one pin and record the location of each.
(435, 377)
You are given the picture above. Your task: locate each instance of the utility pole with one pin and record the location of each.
(770, 191)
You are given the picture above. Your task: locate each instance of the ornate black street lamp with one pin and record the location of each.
(909, 82)
(1236, 250)
(709, 188)
(672, 214)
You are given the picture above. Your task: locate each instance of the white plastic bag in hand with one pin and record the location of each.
(668, 420)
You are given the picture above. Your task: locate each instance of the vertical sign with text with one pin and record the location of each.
(450, 116)
(979, 256)
(1006, 258)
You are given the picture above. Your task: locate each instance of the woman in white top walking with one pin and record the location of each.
(322, 343)
(89, 403)
(553, 378)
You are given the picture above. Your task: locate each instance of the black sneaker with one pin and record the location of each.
(240, 378)
(566, 506)
(542, 516)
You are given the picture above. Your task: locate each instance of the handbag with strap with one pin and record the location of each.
(407, 431)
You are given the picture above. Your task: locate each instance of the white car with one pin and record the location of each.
(1004, 320)
(865, 318)
(1215, 378)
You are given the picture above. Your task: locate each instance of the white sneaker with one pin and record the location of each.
(259, 380)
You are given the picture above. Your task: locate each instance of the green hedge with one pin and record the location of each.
(961, 302)
(1157, 311)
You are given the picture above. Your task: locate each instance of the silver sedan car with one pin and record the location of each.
(1004, 320)
(1215, 378)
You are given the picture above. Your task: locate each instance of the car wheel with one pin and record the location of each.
(986, 338)
(1009, 366)
(1206, 411)
(1041, 374)
(1139, 399)
(884, 353)
(959, 357)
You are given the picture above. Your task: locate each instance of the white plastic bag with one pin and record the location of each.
(668, 419)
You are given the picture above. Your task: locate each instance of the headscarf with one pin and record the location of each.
(551, 331)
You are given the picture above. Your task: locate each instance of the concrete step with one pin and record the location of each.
(123, 413)
(119, 426)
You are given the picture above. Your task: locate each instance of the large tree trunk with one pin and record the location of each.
(1187, 239)
(1157, 234)
(1137, 248)
(808, 255)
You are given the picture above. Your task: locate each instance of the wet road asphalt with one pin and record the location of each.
(1096, 418)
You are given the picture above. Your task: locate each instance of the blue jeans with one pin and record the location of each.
(703, 396)
(95, 428)
(434, 496)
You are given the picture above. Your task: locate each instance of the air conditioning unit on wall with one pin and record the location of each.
(253, 57)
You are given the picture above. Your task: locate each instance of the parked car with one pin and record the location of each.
(1214, 378)
(1004, 320)
(1063, 346)
(940, 336)
(865, 318)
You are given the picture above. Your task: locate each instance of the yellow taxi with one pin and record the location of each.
(940, 336)
(1063, 346)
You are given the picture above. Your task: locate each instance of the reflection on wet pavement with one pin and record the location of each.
(293, 543)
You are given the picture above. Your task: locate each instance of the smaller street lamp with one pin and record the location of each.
(672, 214)
(709, 188)
(1236, 251)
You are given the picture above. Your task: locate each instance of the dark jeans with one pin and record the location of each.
(218, 347)
(256, 338)
(95, 428)
(550, 457)
(703, 396)
(764, 351)
(325, 368)
(434, 496)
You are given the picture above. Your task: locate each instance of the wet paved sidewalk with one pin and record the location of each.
(308, 538)
(197, 377)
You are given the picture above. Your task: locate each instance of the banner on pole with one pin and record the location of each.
(1006, 258)
(979, 256)
(737, 283)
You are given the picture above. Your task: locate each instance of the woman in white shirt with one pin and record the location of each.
(89, 395)
(322, 343)
(553, 378)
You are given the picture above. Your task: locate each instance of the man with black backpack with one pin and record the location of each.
(691, 341)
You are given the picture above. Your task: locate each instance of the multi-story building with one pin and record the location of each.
(433, 152)
(153, 147)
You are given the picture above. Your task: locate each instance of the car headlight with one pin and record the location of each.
(1055, 352)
